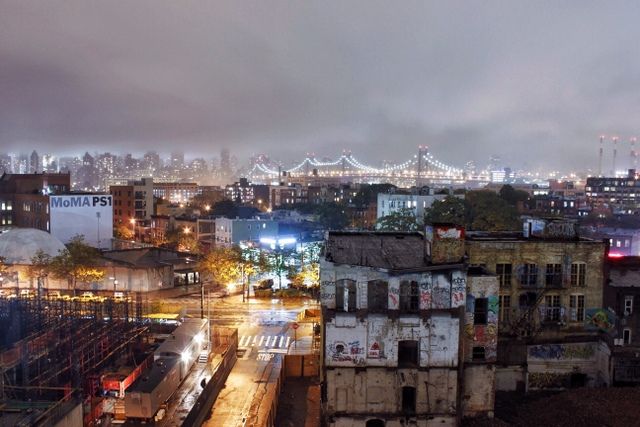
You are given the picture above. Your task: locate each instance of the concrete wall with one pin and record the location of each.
(479, 390)
(378, 390)
(511, 378)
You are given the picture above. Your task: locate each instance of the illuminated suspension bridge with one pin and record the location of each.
(422, 167)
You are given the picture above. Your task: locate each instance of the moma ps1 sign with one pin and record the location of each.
(90, 215)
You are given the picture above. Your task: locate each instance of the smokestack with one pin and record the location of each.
(600, 158)
(615, 154)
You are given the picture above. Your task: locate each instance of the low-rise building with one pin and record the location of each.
(233, 231)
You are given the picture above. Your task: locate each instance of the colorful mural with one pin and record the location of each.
(600, 319)
(482, 335)
(552, 380)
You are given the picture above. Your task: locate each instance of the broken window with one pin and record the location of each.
(377, 295)
(478, 353)
(346, 295)
(409, 296)
(408, 354)
(409, 400)
(480, 311)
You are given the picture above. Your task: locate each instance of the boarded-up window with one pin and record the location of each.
(408, 355)
(409, 296)
(377, 295)
(346, 295)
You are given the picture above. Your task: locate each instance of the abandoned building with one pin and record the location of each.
(622, 296)
(552, 321)
(400, 345)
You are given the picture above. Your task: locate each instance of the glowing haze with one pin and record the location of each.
(535, 83)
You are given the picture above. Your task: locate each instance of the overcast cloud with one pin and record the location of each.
(534, 82)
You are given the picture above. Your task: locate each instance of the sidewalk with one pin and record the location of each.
(248, 392)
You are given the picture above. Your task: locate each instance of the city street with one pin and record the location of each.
(264, 336)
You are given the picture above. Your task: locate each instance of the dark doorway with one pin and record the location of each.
(578, 380)
(409, 400)
(375, 423)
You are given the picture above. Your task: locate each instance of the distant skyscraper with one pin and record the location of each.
(151, 161)
(5, 164)
(34, 162)
(225, 165)
(177, 160)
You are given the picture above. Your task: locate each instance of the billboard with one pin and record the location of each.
(90, 215)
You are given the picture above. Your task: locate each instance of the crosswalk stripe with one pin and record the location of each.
(241, 343)
(268, 341)
(287, 344)
(255, 338)
(281, 340)
(261, 339)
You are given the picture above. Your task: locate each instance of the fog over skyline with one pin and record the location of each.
(535, 83)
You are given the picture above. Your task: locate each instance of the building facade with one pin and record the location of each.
(133, 201)
(388, 203)
(393, 330)
(550, 306)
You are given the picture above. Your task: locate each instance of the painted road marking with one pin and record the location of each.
(281, 340)
(288, 341)
(261, 339)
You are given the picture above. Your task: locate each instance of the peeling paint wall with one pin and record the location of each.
(479, 390)
(373, 341)
(380, 391)
(438, 290)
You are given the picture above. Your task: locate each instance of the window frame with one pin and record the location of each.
(504, 271)
(577, 306)
(578, 274)
(409, 301)
(553, 308)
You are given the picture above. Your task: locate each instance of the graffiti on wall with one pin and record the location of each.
(562, 351)
(441, 292)
(341, 351)
(485, 335)
(599, 319)
(394, 293)
(458, 290)
(425, 295)
(548, 380)
(375, 351)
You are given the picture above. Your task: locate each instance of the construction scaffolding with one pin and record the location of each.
(65, 344)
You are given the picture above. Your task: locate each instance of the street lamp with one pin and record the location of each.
(133, 227)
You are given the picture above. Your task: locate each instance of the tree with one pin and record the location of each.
(40, 265)
(486, 211)
(3, 266)
(449, 210)
(401, 220)
(222, 264)
(78, 262)
(332, 216)
(513, 196)
(123, 231)
(226, 208)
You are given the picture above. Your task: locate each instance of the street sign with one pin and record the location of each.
(295, 325)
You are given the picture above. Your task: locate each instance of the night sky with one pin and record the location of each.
(534, 82)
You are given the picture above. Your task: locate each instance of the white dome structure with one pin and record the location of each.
(19, 245)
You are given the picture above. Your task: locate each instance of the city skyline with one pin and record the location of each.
(287, 79)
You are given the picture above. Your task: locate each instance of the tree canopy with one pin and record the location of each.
(481, 210)
(402, 219)
(78, 262)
